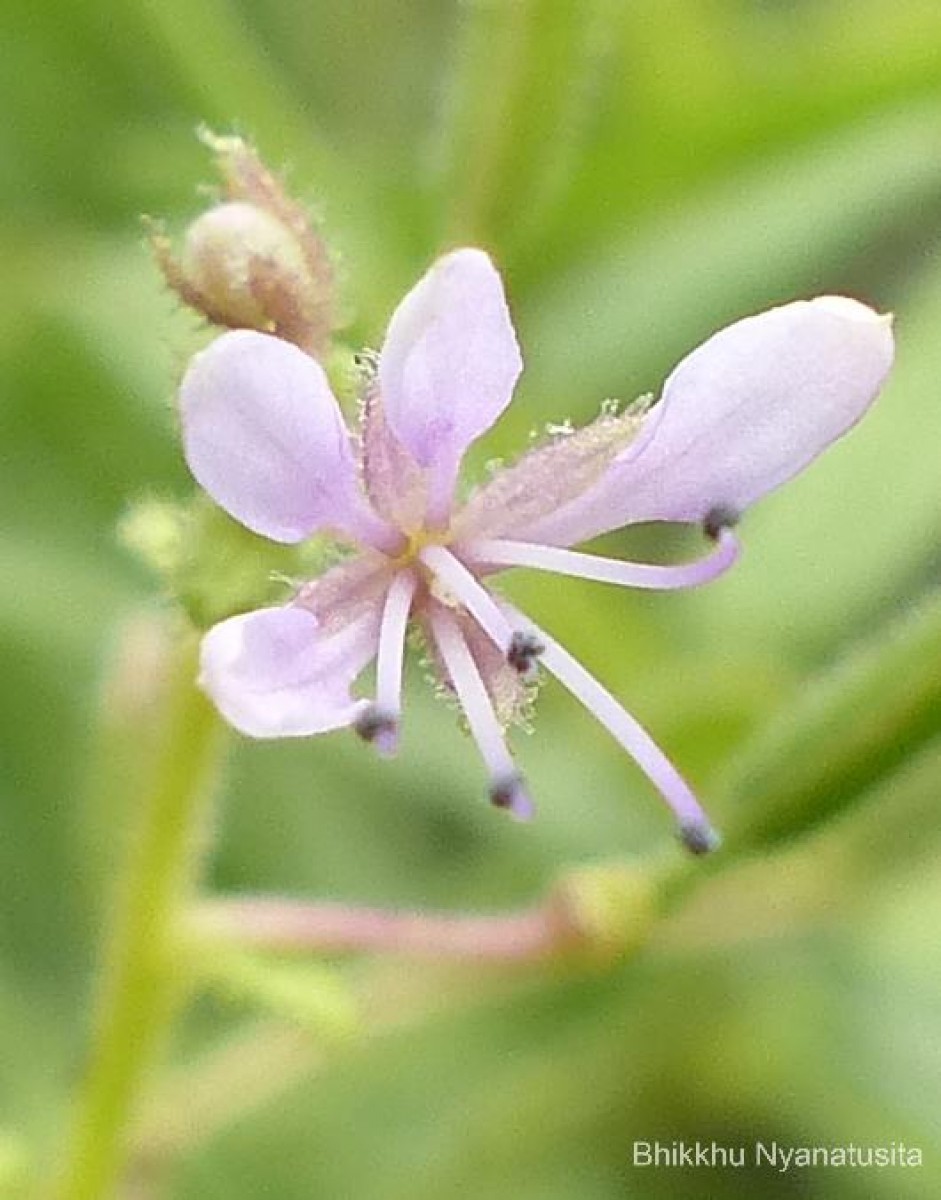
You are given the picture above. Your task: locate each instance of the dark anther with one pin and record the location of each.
(509, 793)
(366, 362)
(523, 651)
(505, 792)
(699, 838)
(375, 725)
(501, 794)
(718, 519)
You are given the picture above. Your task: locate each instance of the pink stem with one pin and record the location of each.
(282, 925)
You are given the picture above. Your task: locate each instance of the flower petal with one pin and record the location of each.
(273, 673)
(549, 477)
(351, 589)
(743, 413)
(449, 364)
(394, 482)
(265, 437)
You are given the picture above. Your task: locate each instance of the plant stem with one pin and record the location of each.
(224, 1086)
(140, 989)
(290, 926)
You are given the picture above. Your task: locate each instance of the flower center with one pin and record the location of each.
(417, 542)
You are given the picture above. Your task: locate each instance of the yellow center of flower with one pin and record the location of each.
(417, 541)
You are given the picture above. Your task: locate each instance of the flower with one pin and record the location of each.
(265, 437)
(252, 260)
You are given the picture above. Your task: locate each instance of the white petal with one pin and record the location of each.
(739, 416)
(271, 673)
(449, 363)
(265, 437)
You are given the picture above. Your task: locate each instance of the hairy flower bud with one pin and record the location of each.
(237, 256)
(253, 260)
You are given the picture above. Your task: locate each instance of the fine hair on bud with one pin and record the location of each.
(253, 260)
(236, 255)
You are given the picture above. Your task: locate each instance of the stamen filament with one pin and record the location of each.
(504, 553)
(506, 787)
(390, 661)
(472, 594)
(695, 829)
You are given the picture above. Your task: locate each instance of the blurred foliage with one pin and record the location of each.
(644, 173)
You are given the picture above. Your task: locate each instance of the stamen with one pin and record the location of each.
(466, 588)
(380, 723)
(524, 653)
(506, 785)
(695, 830)
(498, 622)
(718, 521)
(699, 839)
(503, 553)
(510, 793)
(378, 728)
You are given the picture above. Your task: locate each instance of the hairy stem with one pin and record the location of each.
(140, 989)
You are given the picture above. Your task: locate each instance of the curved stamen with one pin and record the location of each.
(695, 830)
(504, 553)
(379, 724)
(506, 785)
(472, 594)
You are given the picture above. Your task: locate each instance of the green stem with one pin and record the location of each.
(140, 987)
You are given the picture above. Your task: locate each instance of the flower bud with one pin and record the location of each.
(238, 256)
(253, 260)
(611, 906)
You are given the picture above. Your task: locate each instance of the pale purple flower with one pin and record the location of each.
(265, 437)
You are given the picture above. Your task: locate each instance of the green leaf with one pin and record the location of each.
(847, 731)
(613, 323)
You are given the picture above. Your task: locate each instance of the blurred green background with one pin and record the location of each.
(643, 172)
